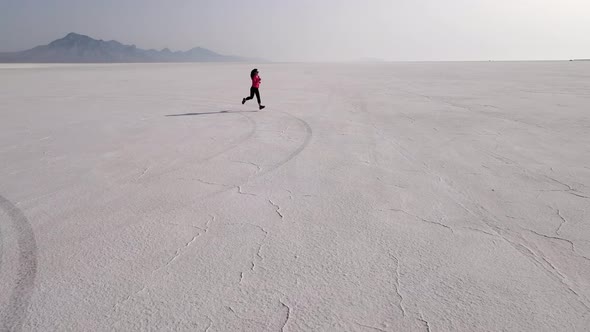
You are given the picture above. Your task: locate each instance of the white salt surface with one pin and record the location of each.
(367, 197)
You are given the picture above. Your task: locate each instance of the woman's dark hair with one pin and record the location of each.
(253, 72)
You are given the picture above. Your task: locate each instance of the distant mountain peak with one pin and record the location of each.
(78, 48)
(73, 35)
(70, 39)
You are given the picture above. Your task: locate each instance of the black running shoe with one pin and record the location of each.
(243, 101)
(261, 107)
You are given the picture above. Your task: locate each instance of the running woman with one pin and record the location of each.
(254, 89)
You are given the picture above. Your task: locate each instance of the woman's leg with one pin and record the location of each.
(252, 92)
(257, 95)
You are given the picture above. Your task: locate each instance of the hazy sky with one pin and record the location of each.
(315, 30)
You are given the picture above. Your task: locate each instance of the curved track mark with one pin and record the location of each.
(253, 128)
(291, 156)
(309, 134)
(14, 314)
(241, 140)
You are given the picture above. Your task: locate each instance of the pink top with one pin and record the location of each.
(256, 81)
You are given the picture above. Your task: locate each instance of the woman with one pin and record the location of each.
(254, 89)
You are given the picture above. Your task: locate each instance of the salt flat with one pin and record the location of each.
(366, 197)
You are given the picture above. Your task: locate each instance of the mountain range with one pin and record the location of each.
(76, 48)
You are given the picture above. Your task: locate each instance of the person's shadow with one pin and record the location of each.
(205, 113)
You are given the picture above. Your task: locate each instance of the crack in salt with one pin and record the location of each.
(422, 219)
(213, 183)
(370, 327)
(556, 273)
(210, 324)
(425, 322)
(180, 251)
(177, 254)
(571, 243)
(142, 174)
(192, 226)
(518, 244)
(398, 285)
(209, 222)
(120, 303)
(244, 193)
(563, 222)
(258, 168)
(287, 315)
(569, 189)
(258, 251)
(481, 231)
(277, 208)
(242, 318)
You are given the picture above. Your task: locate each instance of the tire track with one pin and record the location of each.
(241, 140)
(14, 314)
(306, 140)
(291, 156)
(251, 133)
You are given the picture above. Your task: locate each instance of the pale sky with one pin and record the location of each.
(315, 30)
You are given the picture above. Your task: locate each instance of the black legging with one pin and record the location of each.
(254, 91)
